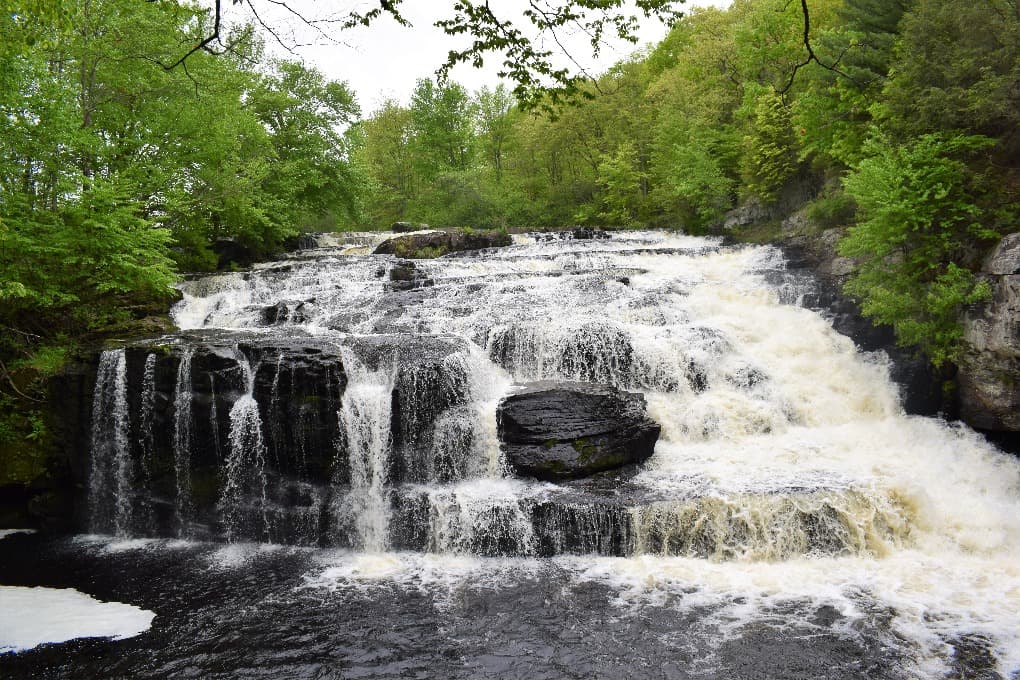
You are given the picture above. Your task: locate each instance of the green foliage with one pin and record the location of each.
(116, 171)
(957, 66)
(770, 160)
(621, 182)
(920, 216)
(692, 184)
(832, 209)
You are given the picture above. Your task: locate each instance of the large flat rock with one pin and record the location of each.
(556, 431)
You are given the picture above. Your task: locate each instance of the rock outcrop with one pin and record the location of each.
(989, 376)
(436, 243)
(557, 431)
(405, 227)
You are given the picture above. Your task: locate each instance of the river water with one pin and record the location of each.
(792, 523)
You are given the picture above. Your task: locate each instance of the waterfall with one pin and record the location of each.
(214, 419)
(111, 487)
(147, 436)
(365, 411)
(786, 470)
(243, 502)
(182, 442)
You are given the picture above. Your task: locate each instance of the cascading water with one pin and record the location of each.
(243, 501)
(786, 472)
(182, 443)
(365, 427)
(111, 474)
(146, 429)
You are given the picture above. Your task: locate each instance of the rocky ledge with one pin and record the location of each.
(557, 431)
(420, 245)
(989, 369)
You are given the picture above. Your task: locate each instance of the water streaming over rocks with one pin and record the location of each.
(789, 497)
(111, 480)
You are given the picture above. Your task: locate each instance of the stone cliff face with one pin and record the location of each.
(990, 370)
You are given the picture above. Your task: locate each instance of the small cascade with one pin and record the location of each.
(480, 518)
(147, 438)
(214, 420)
(276, 437)
(183, 439)
(243, 501)
(771, 527)
(365, 413)
(425, 393)
(111, 474)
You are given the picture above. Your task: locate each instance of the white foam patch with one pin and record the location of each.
(30, 617)
(236, 555)
(4, 533)
(441, 573)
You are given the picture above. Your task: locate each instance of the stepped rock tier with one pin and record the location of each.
(343, 399)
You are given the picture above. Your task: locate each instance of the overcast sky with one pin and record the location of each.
(384, 60)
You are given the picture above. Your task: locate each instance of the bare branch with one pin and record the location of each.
(208, 40)
(811, 56)
(14, 387)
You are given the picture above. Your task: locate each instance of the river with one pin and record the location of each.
(307, 482)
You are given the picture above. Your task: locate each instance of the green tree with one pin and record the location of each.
(921, 223)
(620, 181)
(387, 152)
(956, 67)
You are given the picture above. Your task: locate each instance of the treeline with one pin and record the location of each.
(121, 165)
(901, 123)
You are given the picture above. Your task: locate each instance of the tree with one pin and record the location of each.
(387, 152)
(442, 119)
(620, 180)
(495, 125)
(770, 158)
(922, 218)
(957, 67)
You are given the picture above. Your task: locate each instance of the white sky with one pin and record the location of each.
(384, 60)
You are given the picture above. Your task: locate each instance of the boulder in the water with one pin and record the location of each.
(285, 311)
(437, 243)
(556, 431)
(588, 233)
(405, 227)
(405, 275)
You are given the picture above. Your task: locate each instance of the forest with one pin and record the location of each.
(120, 170)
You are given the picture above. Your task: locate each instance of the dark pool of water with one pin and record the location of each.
(259, 617)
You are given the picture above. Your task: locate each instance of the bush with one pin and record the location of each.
(921, 215)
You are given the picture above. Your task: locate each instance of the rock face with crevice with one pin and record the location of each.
(557, 431)
(989, 376)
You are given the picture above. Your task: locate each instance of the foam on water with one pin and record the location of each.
(30, 617)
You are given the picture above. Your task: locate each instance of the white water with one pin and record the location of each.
(769, 417)
(182, 441)
(30, 617)
(245, 467)
(112, 470)
(365, 413)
